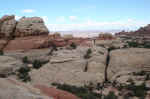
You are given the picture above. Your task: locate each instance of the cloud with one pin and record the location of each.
(17, 17)
(73, 18)
(28, 11)
(129, 24)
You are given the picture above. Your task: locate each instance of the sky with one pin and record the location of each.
(68, 15)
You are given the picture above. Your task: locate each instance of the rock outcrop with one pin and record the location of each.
(30, 27)
(68, 66)
(125, 61)
(7, 26)
(12, 89)
(8, 65)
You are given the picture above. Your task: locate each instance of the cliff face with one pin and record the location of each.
(25, 30)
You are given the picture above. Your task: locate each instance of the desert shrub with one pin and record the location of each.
(138, 90)
(111, 95)
(82, 92)
(1, 52)
(132, 44)
(73, 45)
(111, 48)
(88, 54)
(37, 63)
(140, 73)
(25, 59)
(23, 74)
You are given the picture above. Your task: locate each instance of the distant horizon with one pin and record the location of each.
(69, 15)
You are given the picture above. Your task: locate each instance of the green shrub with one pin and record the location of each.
(111, 95)
(141, 73)
(1, 52)
(73, 45)
(23, 74)
(82, 92)
(37, 63)
(138, 90)
(25, 59)
(88, 54)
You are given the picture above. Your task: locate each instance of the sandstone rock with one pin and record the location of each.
(2, 43)
(27, 43)
(7, 26)
(70, 72)
(30, 27)
(8, 65)
(12, 89)
(128, 60)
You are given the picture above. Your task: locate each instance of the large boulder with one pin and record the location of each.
(124, 61)
(69, 66)
(8, 65)
(7, 26)
(30, 26)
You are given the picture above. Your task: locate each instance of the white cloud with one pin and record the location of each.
(17, 17)
(28, 11)
(128, 24)
(73, 18)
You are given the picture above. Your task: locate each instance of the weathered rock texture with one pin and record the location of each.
(7, 26)
(11, 89)
(128, 60)
(8, 65)
(68, 66)
(30, 27)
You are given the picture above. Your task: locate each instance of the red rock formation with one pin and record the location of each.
(55, 93)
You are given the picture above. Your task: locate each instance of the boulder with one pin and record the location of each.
(8, 65)
(30, 27)
(124, 61)
(7, 26)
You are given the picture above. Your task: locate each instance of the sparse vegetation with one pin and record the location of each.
(73, 45)
(88, 54)
(111, 95)
(37, 63)
(138, 45)
(82, 92)
(23, 74)
(25, 60)
(1, 52)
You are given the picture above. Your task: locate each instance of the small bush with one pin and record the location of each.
(88, 54)
(1, 52)
(111, 95)
(73, 45)
(25, 59)
(82, 92)
(37, 63)
(23, 74)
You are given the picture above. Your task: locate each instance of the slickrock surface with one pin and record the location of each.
(68, 66)
(8, 65)
(128, 60)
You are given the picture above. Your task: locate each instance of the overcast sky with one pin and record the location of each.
(67, 15)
